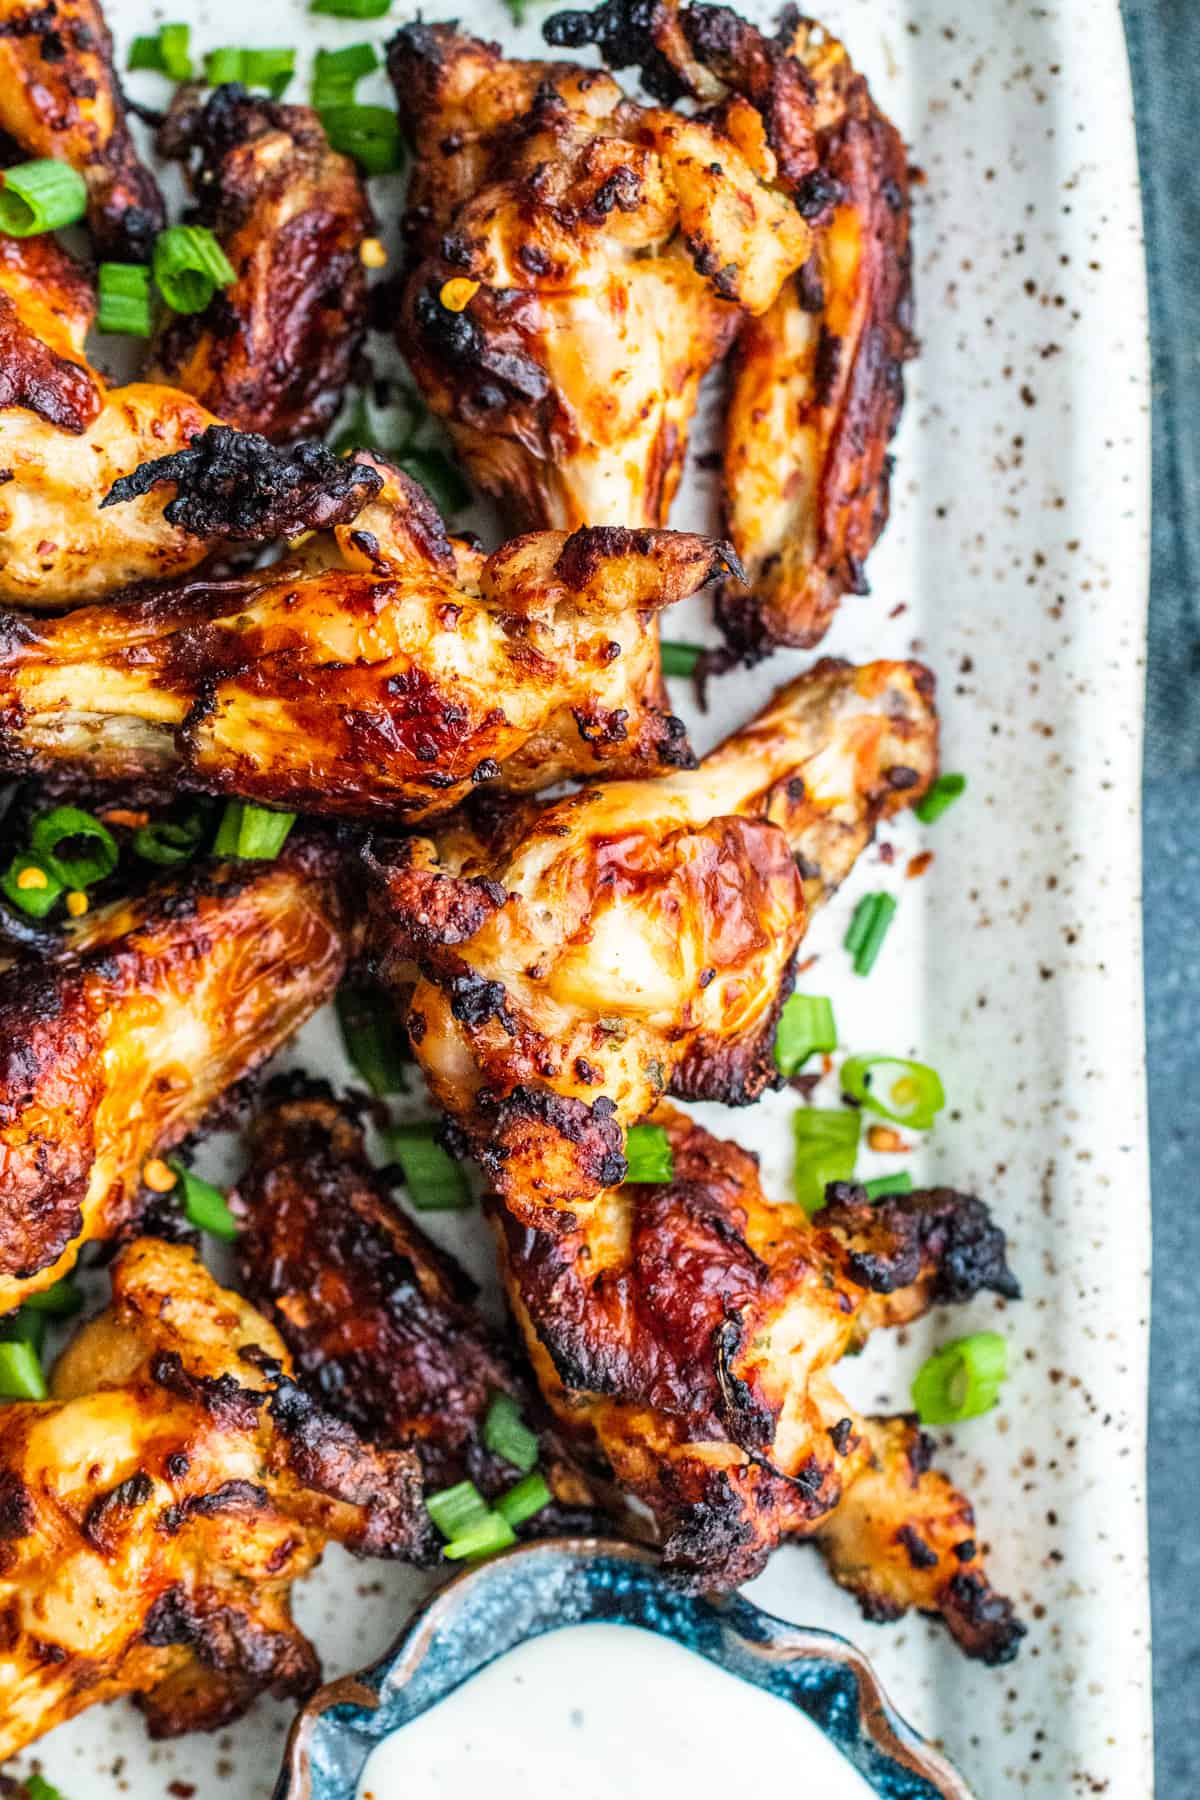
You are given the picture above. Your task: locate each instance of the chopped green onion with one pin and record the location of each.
(167, 53)
(868, 928)
(456, 1509)
(826, 1150)
(225, 64)
(124, 299)
(24, 1326)
(883, 1185)
(61, 1301)
(38, 1788)
(254, 833)
(351, 9)
(441, 479)
(336, 72)
(370, 134)
(648, 1153)
(938, 798)
(680, 659)
(806, 1024)
(36, 901)
(524, 1500)
(961, 1380)
(189, 267)
(205, 1205)
(40, 196)
(373, 1037)
(506, 1434)
(909, 1093)
(21, 1375)
(168, 841)
(71, 822)
(434, 1180)
(492, 1533)
(272, 69)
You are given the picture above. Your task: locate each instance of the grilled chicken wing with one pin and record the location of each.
(381, 670)
(60, 97)
(577, 263)
(157, 1509)
(114, 1053)
(580, 959)
(685, 1333)
(273, 352)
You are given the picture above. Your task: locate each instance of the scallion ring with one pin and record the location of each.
(434, 1180)
(40, 196)
(205, 1205)
(908, 1093)
(961, 1380)
(189, 267)
(70, 824)
(506, 1434)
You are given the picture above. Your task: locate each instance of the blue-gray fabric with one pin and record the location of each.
(1164, 52)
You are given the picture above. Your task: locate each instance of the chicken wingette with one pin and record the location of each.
(272, 352)
(60, 98)
(155, 1511)
(576, 263)
(382, 669)
(563, 966)
(112, 1053)
(685, 1335)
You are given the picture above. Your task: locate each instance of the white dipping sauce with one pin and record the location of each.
(605, 1712)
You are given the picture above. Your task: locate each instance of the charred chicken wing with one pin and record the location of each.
(380, 669)
(577, 262)
(685, 1335)
(568, 964)
(158, 1507)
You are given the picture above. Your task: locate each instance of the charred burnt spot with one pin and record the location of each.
(602, 727)
(750, 1424)
(475, 1002)
(110, 1511)
(983, 1622)
(242, 1499)
(711, 1540)
(816, 195)
(33, 23)
(590, 1127)
(842, 1436)
(415, 911)
(968, 1248)
(230, 1406)
(920, 1554)
(18, 1514)
(624, 32)
(938, 1234)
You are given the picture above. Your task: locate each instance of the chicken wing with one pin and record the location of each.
(577, 263)
(273, 352)
(60, 97)
(685, 1334)
(156, 1510)
(565, 965)
(114, 1052)
(380, 670)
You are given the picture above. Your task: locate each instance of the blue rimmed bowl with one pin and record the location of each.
(540, 1587)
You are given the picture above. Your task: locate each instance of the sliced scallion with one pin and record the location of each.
(648, 1153)
(456, 1509)
(40, 196)
(939, 797)
(826, 1150)
(168, 52)
(680, 659)
(506, 1434)
(21, 1376)
(434, 1180)
(351, 9)
(254, 833)
(373, 1037)
(370, 134)
(961, 1380)
(189, 267)
(31, 885)
(868, 928)
(123, 292)
(806, 1025)
(909, 1093)
(883, 1185)
(524, 1500)
(61, 1301)
(167, 842)
(493, 1532)
(71, 824)
(205, 1205)
(336, 72)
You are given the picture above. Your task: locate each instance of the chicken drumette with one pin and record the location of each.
(565, 965)
(156, 1510)
(380, 669)
(684, 1334)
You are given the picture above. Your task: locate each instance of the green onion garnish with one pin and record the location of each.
(648, 1153)
(21, 1375)
(31, 884)
(168, 841)
(254, 833)
(124, 299)
(40, 196)
(189, 267)
(351, 9)
(38, 1788)
(225, 64)
(72, 823)
(941, 795)
(680, 659)
(493, 1532)
(506, 1434)
(909, 1093)
(434, 1180)
(270, 69)
(524, 1500)
(961, 1380)
(61, 1301)
(440, 478)
(883, 1185)
(167, 53)
(205, 1205)
(806, 1024)
(336, 72)
(456, 1509)
(370, 134)
(25, 1326)
(826, 1150)
(868, 928)
(373, 1037)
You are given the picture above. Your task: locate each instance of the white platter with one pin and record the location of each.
(1017, 550)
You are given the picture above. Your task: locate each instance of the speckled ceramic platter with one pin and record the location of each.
(1015, 565)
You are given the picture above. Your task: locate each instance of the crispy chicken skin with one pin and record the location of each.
(155, 1511)
(60, 97)
(567, 964)
(114, 1053)
(601, 256)
(684, 1335)
(382, 669)
(273, 352)
(380, 1322)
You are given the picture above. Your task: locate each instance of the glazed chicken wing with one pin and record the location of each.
(577, 263)
(685, 1335)
(60, 97)
(156, 1510)
(113, 1053)
(381, 669)
(568, 965)
(273, 352)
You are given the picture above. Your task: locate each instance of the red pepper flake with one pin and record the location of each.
(806, 965)
(182, 1790)
(918, 864)
(124, 815)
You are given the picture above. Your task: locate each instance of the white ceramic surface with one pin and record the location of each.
(1015, 564)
